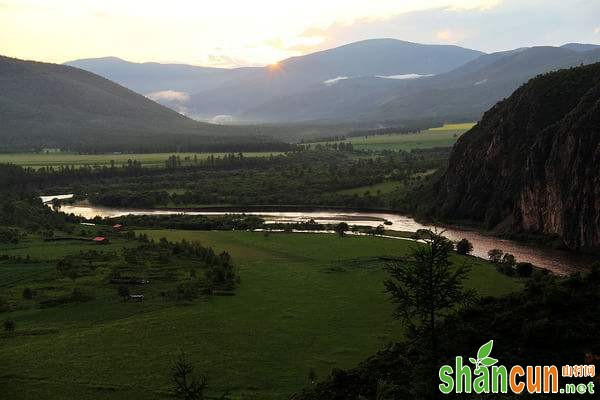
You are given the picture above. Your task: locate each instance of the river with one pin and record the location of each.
(557, 261)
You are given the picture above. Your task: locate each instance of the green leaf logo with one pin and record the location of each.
(485, 350)
(483, 360)
(489, 361)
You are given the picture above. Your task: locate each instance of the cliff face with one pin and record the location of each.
(533, 162)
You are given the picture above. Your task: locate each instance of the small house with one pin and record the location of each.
(100, 240)
(118, 227)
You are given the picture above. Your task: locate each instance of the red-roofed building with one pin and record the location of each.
(100, 240)
(118, 227)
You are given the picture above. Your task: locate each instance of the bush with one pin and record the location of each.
(464, 247)
(509, 260)
(495, 255)
(524, 269)
(222, 276)
(341, 229)
(186, 291)
(76, 296)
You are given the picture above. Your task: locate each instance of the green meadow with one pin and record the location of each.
(305, 302)
(465, 126)
(443, 136)
(38, 160)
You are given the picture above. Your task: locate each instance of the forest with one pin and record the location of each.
(318, 176)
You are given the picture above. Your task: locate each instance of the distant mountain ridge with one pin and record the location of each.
(149, 77)
(50, 105)
(245, 88)
(350, 83)
(463, 93)
(581, 46)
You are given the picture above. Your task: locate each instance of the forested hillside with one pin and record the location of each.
(531, 164)
(48, 105)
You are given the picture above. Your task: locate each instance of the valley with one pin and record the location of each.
(260, 201)
(306, 302)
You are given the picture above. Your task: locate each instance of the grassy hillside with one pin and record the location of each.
(49, 105)
(305, 302)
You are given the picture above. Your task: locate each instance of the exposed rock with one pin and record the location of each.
(533, 162)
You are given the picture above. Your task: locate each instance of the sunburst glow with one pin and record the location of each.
(236, 32)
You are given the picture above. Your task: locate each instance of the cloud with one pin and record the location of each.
(450, 36)
(222, 119)
(482, 25)
(482, 5)
(293, 46)
(264, 31)
(169, 95)
(333, 81)
(404, 76)
(222, 60)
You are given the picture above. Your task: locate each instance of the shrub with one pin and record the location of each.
(509, 259)
(341, 229)
(464, 247)
(222, 276)
(76, 296)
(524, 269)
(186, 384)
(495, 255)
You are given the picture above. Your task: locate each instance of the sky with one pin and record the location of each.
(230, 33)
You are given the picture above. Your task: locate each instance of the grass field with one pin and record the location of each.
(38, 160)
(465, 126)
(306, 301)
(444, 136)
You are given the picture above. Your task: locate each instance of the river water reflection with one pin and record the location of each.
(559, 262)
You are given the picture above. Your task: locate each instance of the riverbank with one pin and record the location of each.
(556, 261)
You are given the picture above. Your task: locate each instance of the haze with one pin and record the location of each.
(235, 33)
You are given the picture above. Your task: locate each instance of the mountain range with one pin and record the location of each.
(50, 105)
(378, 82)
(373, 83)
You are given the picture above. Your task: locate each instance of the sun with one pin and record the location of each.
(274, 67)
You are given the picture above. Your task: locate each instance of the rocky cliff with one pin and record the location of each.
(532, 164)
